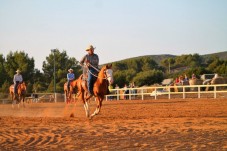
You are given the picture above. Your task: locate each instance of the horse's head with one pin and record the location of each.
(109, 73)
(22, 86)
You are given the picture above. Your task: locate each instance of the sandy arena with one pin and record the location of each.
(177, 124)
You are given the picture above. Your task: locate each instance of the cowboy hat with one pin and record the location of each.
(70, 69)
(90, 47)
(18, 70)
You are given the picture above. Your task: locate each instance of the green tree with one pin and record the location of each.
(3, 75)
(148, 64)
(62, 63)
(19, 60)
(148, 77)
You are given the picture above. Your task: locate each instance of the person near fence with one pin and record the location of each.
(91, 61)
(134, 91)
(193, 76)
(117, 91)
(70, 78)
(126, 92)
(185, 78)
(17, 79)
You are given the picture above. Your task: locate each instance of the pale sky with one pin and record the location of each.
(119, 29)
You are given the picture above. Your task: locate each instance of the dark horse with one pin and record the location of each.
(20, 96)
(105, 77)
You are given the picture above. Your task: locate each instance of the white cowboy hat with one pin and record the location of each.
(18, 70)
(70, 69)
(90, 47)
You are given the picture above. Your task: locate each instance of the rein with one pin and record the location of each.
(96, 70)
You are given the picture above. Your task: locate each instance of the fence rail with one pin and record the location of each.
(185, 91)
(155, 92)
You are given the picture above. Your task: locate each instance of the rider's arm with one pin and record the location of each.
(82, 61)
(14, 79)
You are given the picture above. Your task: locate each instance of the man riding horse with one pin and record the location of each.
(91, 61)
(70, 78)
(16, 80)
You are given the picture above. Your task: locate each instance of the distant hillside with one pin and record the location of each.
(158, 58)
(221, 55)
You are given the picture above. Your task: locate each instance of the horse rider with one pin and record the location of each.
(91, 60)
(17, 79)
(70, 78)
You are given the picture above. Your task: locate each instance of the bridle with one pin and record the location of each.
(106, 76)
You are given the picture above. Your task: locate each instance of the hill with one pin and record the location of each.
(159, 58)
(221, 55)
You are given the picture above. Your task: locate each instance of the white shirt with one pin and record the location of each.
(17, 77)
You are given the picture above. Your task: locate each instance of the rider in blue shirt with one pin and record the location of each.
(70, 78)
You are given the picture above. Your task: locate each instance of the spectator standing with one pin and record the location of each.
(193, 76)
(117, 91)
(126, 92)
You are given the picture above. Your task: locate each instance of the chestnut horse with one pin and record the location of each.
(16, 98)
(68, 94)
(105, 77)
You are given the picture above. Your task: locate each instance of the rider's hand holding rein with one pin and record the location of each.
(87, 63)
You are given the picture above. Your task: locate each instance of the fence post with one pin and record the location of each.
(129, 93)
(155, 94)
(142, 94)
(199, 92)
(55, 97)
(169, 91)
(183, 92)
(118, 94)
(215, 92)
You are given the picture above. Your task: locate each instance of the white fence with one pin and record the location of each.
(187, 91)
(142, 93)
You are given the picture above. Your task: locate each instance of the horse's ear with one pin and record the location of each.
(109, 66)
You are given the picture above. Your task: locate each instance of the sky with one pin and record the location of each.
(119, 29)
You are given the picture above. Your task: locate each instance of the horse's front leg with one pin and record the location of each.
(86, 107)
(98, 108)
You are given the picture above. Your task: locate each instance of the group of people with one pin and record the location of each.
(181, 79)
(126, 90)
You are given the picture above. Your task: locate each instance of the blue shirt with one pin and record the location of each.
(70, 76)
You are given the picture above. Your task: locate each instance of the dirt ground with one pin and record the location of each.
(177, 124)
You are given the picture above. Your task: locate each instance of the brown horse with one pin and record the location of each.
(68, 93)
(17, 98)
(105, 76)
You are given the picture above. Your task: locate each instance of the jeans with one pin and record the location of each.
(68, 84)
(91, 79)
(15, 87)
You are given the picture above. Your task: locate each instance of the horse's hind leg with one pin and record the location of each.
(23, 102)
